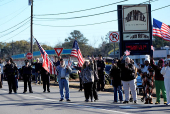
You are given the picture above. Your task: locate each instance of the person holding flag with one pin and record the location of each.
(63, 79)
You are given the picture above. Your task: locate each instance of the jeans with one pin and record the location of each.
(63, 83)
(37, 75)
(116, 90)
(130, 84)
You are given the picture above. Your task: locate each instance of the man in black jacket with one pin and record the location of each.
(26, 73)
(101, 70)
(37, 70)
(10, 72)
(128, 78)
(115, 76)
(46, 79)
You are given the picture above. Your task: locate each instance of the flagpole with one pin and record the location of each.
(31, 42)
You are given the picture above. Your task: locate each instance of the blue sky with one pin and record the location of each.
(15, 11)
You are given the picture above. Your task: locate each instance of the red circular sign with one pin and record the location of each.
(29, 55)
(112, 36)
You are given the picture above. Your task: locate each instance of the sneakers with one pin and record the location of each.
(68, 100)
(96, 100)
(126, 102)
(48, 91)
(61, 100)
(24, 91)
(165, 102)
(157, 103)
(31, 91)
(86, 100)
(135, 102)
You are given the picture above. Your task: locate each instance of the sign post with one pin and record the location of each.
(29, 55)
(58, 51)
(135, 29)
(113, 38)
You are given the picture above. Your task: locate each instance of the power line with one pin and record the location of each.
(97, 23)
(15, 29)
(6, 3)
(16, 34)
(12, 13)
(15, 25)
(89, 15)
(83, 10)
(14, 16)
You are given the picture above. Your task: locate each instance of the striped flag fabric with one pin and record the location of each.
(127, 52)
(47, 63)
(77, 53)
(161, 30)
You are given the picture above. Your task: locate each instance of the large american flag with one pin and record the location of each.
(160, 29)
(77, 53)
(47, 63)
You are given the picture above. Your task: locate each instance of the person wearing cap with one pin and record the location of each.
(128, 78)
(159, 80)
(115, 76)
(101, 73)
(63, 79)
(37, 70)
(10, 71)
(166, 74)
(26, 73)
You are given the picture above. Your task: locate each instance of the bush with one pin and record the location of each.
(52, 77)
(74, 76)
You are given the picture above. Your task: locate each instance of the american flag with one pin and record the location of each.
(77, 53)
(47, 63)
(160, 29)
(127, 52)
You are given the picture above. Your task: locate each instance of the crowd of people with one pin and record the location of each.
(123, 73)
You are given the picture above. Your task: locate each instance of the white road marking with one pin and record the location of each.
(75, 104)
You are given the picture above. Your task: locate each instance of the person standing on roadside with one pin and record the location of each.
(37, 70)
(2, 69)
(26, 73)
(57, 63)
(87, 76)
(166, 74)
(46, 79)
(101, 69)
(128, 78)
(10, 70)
(63, 79)
(115, 76)
(159, 80)
(96, 79)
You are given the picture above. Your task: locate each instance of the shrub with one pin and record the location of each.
(74, 76)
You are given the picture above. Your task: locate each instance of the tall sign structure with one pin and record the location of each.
(135, 29)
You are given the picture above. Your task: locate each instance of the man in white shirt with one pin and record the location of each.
(166, 73)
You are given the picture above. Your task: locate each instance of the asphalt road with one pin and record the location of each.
(48, 103)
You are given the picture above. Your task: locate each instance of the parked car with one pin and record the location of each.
(107, 69)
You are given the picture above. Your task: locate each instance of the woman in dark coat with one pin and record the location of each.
(115, 76)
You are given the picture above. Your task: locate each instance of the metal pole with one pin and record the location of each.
(114, 50)
(31, 42)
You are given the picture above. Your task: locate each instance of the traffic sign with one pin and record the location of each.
(58, 51)
(114, 36)
(29, 55)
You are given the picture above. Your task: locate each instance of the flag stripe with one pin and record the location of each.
(47, 63)
(161, 30)
(77, 53)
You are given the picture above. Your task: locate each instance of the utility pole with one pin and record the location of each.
(12, 48)
(31, 42)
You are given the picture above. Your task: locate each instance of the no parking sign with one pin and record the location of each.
(113, 36)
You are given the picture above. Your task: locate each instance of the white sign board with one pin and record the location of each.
(135, 18)
(136, 36)
(113, 36)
